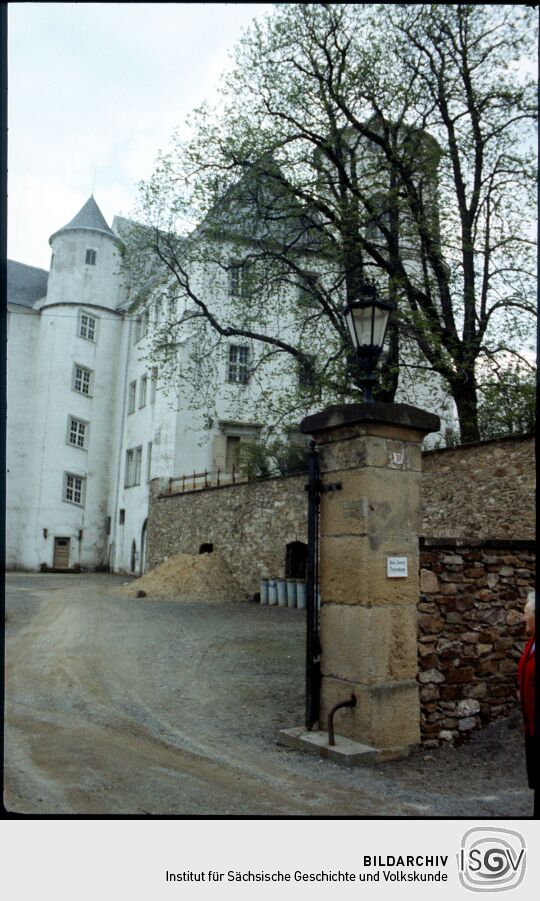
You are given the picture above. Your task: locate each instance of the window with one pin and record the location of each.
(307, 290)
(149, 461)
(128, 473)
(373, 232)
(157, 312)
(77, 432)
(91, 257)
(171, 309)
(87, 327)
(132, 396)
(234, 285)
(82, 380)
(239, 279)
(142, 391)
(306, 372)
(380, 218)
(132, 473)
(153, 385)
(138, 463)
(108, 525)
(145, 321)
(73, 488)
(237, 369)
(122, 517)
(141, 326)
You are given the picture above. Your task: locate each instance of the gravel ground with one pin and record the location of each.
(143, 706)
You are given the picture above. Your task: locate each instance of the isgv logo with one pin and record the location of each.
(491, 859)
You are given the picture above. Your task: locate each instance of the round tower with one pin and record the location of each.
(85, 262)
(76, 375)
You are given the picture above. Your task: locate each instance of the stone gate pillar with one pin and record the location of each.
(369, 568)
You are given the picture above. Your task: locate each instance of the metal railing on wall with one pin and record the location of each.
(199, 481)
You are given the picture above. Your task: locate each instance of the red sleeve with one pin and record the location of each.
(526, 669)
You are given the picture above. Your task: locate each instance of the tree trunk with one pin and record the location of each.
(465, 397)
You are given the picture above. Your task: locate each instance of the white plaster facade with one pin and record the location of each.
(80, 323)
(74, 328)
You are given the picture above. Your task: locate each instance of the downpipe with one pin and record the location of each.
(351, 702)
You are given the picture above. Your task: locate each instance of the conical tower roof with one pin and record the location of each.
(90, 217)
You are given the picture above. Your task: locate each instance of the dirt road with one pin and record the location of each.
(142, 706)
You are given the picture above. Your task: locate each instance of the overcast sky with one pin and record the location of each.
(95, 90)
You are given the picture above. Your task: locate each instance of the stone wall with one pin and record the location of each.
(472, 588)
(481, 490)
(470, 632)
(485, 490)
(250, 524)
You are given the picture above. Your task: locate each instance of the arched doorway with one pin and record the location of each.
(144, 548)
(134, 556)
(296, 560)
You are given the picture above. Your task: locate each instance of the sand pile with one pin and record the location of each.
(188, 577)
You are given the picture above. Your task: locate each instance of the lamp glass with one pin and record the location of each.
(367, 324)
(351, 325)
(380, 321)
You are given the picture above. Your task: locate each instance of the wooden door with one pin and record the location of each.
(232, 455)
(61, 553)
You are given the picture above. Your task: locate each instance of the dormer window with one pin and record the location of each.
(91, 257)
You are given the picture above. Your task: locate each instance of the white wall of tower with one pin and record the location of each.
(72, 280)
(38, 487)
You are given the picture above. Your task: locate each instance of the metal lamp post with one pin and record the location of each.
(367, 321)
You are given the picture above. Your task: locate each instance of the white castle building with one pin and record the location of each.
(89, 423)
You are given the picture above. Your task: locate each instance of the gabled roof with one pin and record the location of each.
(89, 216)
(123, 227)
(260, 207)
(25, 284)
(150, 272)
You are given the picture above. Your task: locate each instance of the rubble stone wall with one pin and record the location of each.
(250, 524)
(470, 632)
(485, 490)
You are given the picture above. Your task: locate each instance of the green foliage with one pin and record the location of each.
(507, 403)
(261, 459)
(351, 141)
(254, 460)
(289, 457)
